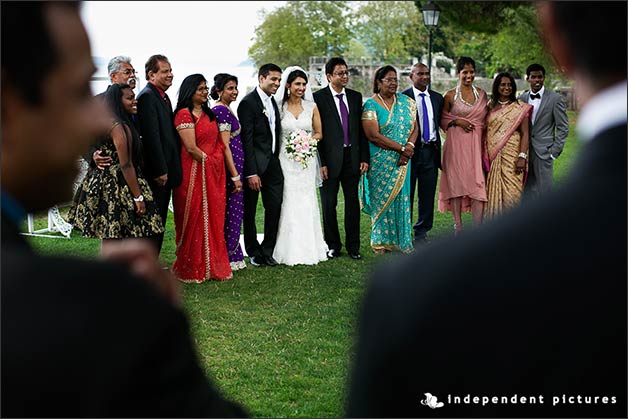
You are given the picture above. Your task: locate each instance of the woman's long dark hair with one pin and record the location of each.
(187, 90)
(292, 77)
(113, 99)
(495, 91)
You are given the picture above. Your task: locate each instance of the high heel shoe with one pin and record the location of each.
(457, 229)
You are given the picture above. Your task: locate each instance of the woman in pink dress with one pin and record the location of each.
(200, 199)
(462, 186)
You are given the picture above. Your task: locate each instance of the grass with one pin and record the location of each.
(278, 340)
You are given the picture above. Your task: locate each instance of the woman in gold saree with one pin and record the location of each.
(506, 148)
(389, 123)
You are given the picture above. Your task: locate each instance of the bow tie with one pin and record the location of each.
(535, 96)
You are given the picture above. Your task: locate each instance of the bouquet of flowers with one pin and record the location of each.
(301, 147)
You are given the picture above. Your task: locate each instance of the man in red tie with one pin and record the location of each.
(161, 143)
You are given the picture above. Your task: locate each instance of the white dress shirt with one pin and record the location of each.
(270, 111)
(337, 101)
(430, 112)
(536, 102)
(604, 110)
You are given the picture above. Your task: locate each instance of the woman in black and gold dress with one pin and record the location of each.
(117, 202)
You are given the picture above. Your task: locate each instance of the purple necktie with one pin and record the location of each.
(344, 114)
(426, 120)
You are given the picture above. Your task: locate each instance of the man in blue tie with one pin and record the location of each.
(426, 159)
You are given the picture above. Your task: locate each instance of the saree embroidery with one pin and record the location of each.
(384, 189)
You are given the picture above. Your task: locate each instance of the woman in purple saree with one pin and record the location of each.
(225, 91)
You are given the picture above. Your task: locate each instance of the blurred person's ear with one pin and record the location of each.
(554, 38)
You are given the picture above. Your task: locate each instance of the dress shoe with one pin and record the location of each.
(420, 241)
(333, 253)
(355, 256)
(257, 261)
(270, 261)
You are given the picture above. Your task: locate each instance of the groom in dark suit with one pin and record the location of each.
(344, 156)
(161, 143)
(80, 338)
(426, 159)
(261, 130)
(530, 307)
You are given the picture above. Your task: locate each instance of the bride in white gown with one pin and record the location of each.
(300, 235)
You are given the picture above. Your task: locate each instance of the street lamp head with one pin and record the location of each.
(430, 15)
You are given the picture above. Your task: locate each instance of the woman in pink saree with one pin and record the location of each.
(506, 150)
(462, 186)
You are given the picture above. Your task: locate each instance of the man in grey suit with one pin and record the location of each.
(549, 127)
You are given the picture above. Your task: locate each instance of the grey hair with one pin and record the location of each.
(115, 62)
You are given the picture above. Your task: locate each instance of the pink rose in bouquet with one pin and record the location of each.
(301, 147)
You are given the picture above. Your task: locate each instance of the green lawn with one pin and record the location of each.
(278, 340)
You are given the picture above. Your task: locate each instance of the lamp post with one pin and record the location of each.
(430, 18)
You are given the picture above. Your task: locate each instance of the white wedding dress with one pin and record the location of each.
(300, 235)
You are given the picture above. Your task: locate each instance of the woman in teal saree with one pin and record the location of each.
(389, 122)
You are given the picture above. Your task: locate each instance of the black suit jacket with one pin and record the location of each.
(437, 105)
(533, 304)
(256, 134)
(87, 339)
(331, 147)
(160, 141)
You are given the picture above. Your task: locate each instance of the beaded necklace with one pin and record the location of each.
(458, 95)
(384, 102)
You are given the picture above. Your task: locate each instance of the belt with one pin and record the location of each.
(430, 144)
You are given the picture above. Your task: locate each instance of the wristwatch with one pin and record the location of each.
(523, 155)
(139, 198)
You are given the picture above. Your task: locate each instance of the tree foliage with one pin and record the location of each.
(291, 34)
(498, 35)
(390, 30)
(477, 16)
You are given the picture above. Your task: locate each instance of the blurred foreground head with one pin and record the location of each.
(49, 116)
(588, 41)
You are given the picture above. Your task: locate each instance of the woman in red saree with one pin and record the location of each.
(199, 202)
(506, 150)
(462, 186)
